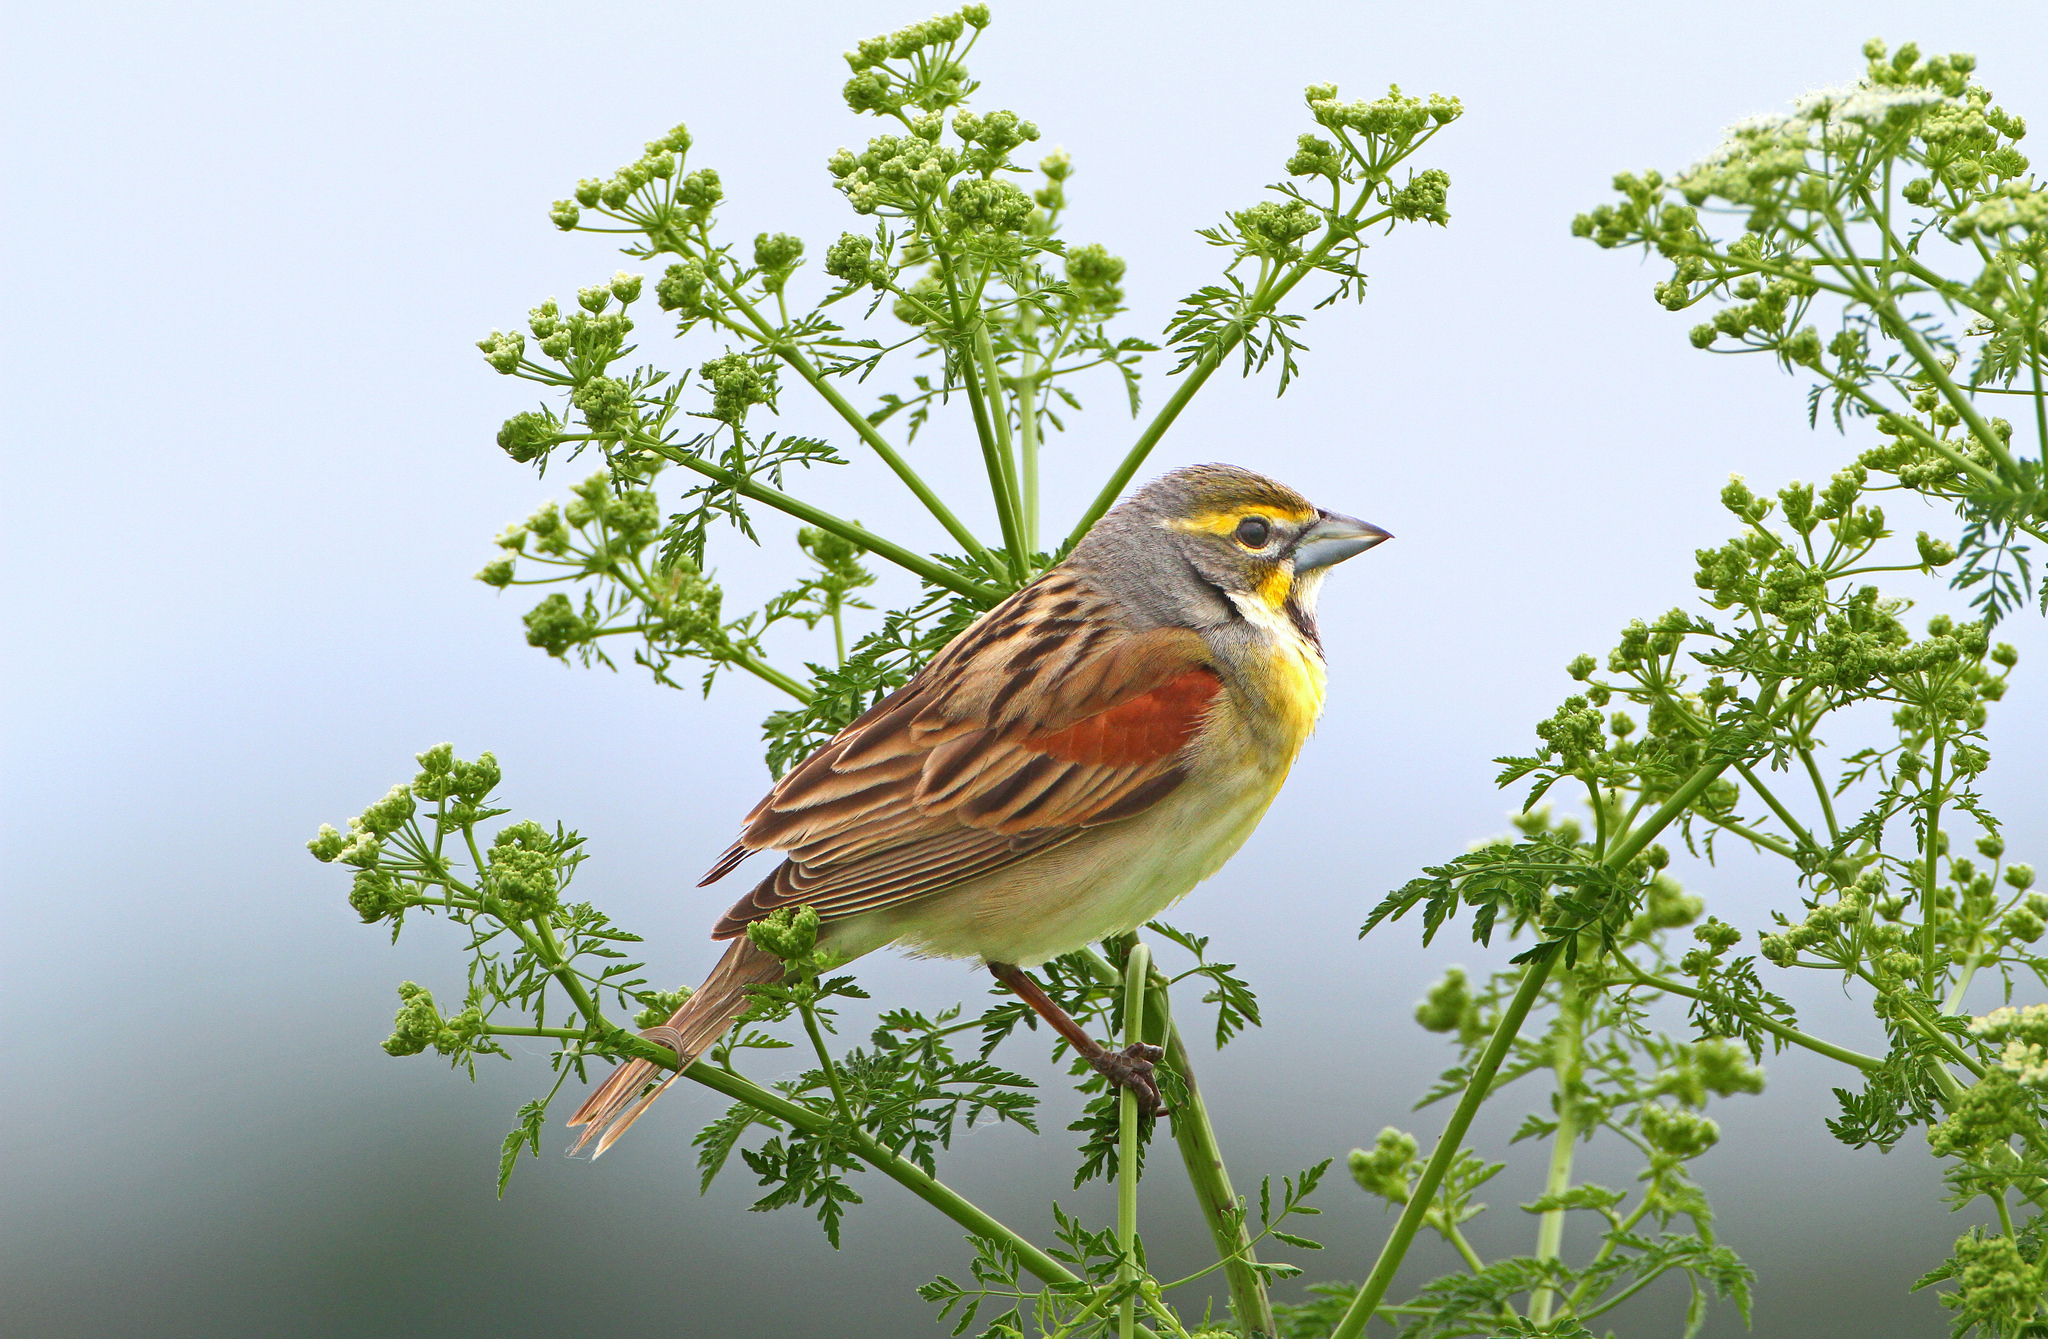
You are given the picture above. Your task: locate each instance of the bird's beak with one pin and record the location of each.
(1332, 539)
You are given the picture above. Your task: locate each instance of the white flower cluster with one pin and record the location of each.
(2025, 1034)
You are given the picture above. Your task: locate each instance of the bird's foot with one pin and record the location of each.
(1131, 1069)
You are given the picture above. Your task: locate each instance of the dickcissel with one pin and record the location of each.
(1064, 770)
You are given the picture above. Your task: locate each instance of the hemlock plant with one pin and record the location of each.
(1883, 240)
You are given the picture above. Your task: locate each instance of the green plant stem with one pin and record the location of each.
(936, 573)
(1424, 1194)
(999, 419)
(1027, 426)
(1203, 1158)
(1804, 837)
(1137, 967)
(1263, 301)
(760, 669)
(905, 1173)
(1929, 882)
(772, 339)
(1540, 959)
(995, 463)
(1202, 1155)
(1566, 1059)
(1869, 1064)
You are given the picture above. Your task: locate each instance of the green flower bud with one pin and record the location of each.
(497, 574)
(474, 780)
(625, 287)
(1383, 1170)
(658, 1006)
(554, 626)
(1678, 1133)
(606, 402)
(2020, 876)
(1448, 1006)
(1935, 552)
(2005, 654)
(736, 386)
(1725, 1068)
(2022, 924)
(417, 1023)
(503, 352)
(1717, 935)
(700, 190)
(527, 436)
(852, 260)
(789, 933)
(522, 869)
(375, 896)
(326, 844)
(1582, 668)
(389, 814)
(565, 215)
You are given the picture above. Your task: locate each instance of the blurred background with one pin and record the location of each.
(250, 472)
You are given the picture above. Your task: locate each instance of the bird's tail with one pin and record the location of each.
(702, 1020)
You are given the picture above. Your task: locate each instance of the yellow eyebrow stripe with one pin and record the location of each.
(1223, 522)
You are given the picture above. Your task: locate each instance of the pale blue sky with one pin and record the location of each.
(250, 471)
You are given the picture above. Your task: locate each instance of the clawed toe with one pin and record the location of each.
(1131, 1068)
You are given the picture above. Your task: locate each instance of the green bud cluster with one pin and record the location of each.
(1092, 278)
(503, 351)
(935, 78)
(852, 261)
(1271, 229)
(1998, 1287)
(1449, 1007)
(1678, 1133)
(2023, 1034)
(1715, 1065)
(1396, 117)
(420, 1025)
(529, 436)
(737, 383)
(789, 933)
(658, 1006)
(522, 872)
(1385, 1169)
(1990, 1112)
(776, 256)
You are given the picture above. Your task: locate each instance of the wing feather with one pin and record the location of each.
(1049, 716)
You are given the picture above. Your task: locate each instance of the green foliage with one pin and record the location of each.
(1704, 725)
(1856, 211)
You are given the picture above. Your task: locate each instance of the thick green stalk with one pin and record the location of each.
(936, 573)
(1424, 1194)
(1203, 1158)
(1540, 960)
(995, 463)
(1137, 967)
(1568, 1061)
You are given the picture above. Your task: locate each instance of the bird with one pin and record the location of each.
(1070, 765)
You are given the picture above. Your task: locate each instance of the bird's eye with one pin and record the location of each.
(1254, 531)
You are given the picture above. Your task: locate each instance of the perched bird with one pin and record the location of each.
(1064, 770)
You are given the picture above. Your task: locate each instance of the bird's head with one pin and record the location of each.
(1223, 541)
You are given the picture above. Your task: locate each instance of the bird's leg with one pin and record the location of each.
(1129, 1068)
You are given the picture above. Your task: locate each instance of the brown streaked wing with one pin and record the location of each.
(1045, 718)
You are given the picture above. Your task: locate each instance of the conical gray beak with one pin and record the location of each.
(1332, 539)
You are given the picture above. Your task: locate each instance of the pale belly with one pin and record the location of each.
(1116, 877)
(1104, 883)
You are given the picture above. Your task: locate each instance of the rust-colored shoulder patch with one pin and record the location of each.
(1146, 728)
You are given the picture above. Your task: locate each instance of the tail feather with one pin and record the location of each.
(703, 1018)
